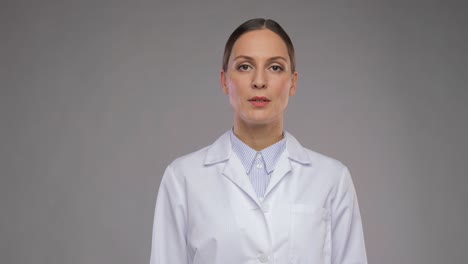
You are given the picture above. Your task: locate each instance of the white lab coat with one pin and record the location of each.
(207, 211)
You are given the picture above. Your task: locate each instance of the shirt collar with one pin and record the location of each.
(221, 150)
(247, 155)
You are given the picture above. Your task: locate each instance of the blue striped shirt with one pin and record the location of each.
(258, 165)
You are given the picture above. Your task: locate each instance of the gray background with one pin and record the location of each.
(97, 97)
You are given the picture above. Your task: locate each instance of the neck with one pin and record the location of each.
(259, 137)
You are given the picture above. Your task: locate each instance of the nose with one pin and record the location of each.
(259, 81)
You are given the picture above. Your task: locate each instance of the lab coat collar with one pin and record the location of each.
(296, 151)
(221, 150)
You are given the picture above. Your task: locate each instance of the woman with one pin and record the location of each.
(256, 195)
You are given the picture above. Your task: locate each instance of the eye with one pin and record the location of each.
(276, 68)
(244, 67)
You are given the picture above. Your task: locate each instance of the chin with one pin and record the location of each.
(260, 121)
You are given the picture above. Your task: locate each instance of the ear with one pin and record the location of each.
(292, 90)
(222, 81)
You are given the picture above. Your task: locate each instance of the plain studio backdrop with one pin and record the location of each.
(97, 97)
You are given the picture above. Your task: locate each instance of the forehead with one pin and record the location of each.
(262, 43)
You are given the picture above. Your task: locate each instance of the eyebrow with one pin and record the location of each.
(269, 59)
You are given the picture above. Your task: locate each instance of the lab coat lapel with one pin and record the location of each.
(294, 152)
(235, 172)
(221, 151)
(282, 168)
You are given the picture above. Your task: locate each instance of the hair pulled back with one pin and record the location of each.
(257, 24)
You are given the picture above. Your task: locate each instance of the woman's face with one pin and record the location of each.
(258, 79)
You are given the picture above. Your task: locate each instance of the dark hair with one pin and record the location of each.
(256, 24)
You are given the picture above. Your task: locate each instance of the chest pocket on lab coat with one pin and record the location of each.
(310, 234)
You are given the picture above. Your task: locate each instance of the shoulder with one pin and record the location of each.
(321, 164)
(195, 158)
(305, 155)
(218, 151)
(178, 171)
(325, 161)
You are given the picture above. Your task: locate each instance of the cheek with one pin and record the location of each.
(283, 102)
(233, 95)
(283, 90)
(234, 90)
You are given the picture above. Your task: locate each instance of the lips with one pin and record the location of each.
(259, 101)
